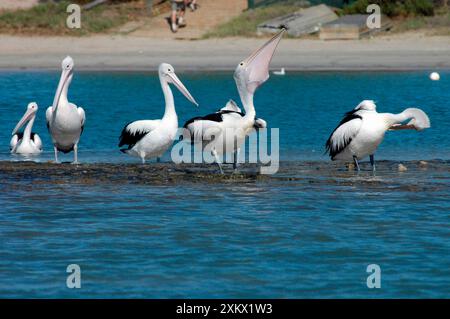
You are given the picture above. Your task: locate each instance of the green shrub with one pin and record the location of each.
(394, 8)
(50, 18)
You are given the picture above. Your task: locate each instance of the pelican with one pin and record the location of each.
(281, 72)
(151, 138)
(65, 121)
(362, 130)
(28, 142)
(228, 127)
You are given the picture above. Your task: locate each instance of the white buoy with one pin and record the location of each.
(434, 76)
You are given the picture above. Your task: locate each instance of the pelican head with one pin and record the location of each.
(260, 124)
(418, 120)
(167, 73)
(254, 70)
(29, 115)
(66, 77)
(367, 105)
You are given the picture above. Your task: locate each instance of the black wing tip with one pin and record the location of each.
(329, 149)
(128, 139)
(192, 120)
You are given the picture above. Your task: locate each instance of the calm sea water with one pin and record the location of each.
(309, 238)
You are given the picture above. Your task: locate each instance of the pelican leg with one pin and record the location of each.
(236, 159)
(372, 162)
(56, 154)
(217, 161)
(75, 154)
(355, 160)
(142, 156)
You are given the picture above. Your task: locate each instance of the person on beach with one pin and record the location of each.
(192, 4)
(177, 6)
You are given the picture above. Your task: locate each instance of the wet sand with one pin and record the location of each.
(410, 51)
(418, 176)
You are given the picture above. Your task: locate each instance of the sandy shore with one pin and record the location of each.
(400, 52)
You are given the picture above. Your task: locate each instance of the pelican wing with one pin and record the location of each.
(203, 128)
(36, 140)
(13, 142)
(231, 106)
(133, 132)
(48, 116)
(82, 117)
(344, 133)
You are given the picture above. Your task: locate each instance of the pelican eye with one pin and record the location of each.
(241, 64)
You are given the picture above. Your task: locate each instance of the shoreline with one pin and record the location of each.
(199, 70)
(402, 52)
(293, 174)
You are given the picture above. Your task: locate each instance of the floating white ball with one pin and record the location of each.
(435, 76)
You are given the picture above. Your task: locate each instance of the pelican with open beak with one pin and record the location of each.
(65, 121)
(26, 142)
(151, 138)
(225, 130)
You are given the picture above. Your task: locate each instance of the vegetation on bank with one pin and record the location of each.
(439, 24)
(50, 19)
(245, 24)
(391, 8)
(406, 14)
(430, 16)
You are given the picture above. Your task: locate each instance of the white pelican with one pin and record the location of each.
(362, 130)
(26, 143)
(151, 138)
(226, 130)
(281, 72)
(65, 121)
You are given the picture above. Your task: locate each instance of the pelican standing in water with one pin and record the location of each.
(281, 72)
(65, 121)
(228, 127)
(151, 138)
(362, 130)
(28, 142)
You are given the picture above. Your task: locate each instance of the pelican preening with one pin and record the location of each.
(226, 130)
(26, 142)
(65, 121)
(151, 138)
(362, 130)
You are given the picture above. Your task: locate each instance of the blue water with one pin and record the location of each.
(306, 107)
(309, 238)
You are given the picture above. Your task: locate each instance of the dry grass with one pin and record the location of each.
(50, 19)
(439, 24)
(245, 24)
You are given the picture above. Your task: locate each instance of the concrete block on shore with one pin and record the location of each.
(305, 21)
(351, 27)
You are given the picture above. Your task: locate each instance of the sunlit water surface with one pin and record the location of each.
(261, 238)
